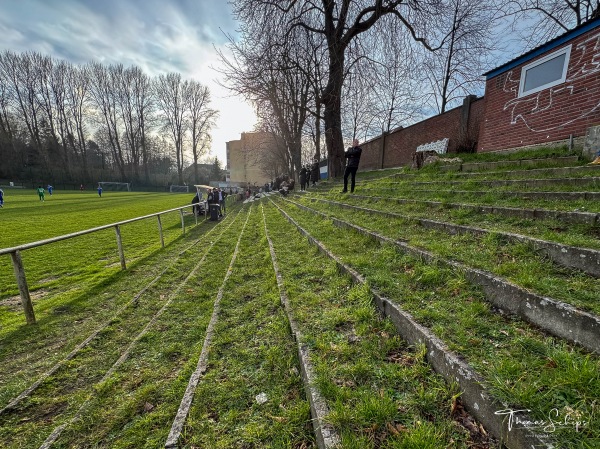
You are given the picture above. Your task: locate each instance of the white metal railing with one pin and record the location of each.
(19, 269)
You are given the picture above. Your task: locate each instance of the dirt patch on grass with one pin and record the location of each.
(14, 302)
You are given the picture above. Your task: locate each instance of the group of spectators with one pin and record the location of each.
(309, 173)
(213, 196)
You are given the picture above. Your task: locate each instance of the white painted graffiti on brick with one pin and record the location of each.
(530, 109)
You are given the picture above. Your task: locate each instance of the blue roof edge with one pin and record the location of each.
(569, 35)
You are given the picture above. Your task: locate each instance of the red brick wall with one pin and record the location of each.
(550, 115)
(401, 144)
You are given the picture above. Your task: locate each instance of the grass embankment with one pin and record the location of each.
(521, 365)
(380, 392)
(573, 234)
(499, 156)
(96, 377)
(521, 263)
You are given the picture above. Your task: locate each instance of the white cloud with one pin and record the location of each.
(158, 36)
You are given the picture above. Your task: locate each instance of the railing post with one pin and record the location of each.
(160, 233)
(182, 222)
(23, 288)
(195, 215)
(120, 245)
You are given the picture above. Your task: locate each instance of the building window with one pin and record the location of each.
(549, 71)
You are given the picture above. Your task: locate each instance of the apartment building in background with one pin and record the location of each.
(250, 160)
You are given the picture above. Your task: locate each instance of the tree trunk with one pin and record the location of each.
(332, 100)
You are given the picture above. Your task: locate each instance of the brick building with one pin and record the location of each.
(546, 95)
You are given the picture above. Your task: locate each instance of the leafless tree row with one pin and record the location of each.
(359, 68)
(65, 123)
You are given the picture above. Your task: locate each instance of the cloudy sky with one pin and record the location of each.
(159, 36)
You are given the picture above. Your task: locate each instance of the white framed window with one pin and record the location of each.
(549, 71)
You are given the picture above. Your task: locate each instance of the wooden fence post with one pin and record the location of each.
(182, 222)
(160, 233)
(120, 245)
(23, 288)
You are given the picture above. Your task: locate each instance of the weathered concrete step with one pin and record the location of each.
(557, 318)
(586, 196)
(555, 171)
(488, 166)
(477, 400)
(592, 181)
(584, 259)
(325, 434)
(588, 218)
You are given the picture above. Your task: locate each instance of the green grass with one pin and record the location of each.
(86, 259)
(521, 366)
(381, 393)
(252, 353)
(519, 262)
(152, 373)
(373, 382)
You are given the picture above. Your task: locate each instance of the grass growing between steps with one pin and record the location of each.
(381, 393)
(517, 262)
(60, 396)
(489, 198)
(136, 406)
(580, 235)
(520, 365)
(252, 353)
(530, 153)
(573, 234)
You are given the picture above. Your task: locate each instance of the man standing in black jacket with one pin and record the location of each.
(353, 156)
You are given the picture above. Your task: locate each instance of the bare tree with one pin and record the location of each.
(200, 120)
(20, 74)
(169, 92)
(454, 70)
(144, 108)
(267, 71)
(77, 85)
(339, 22)
(548, 18)
(104, 82)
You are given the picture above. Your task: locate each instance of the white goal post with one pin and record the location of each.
(115, 186)
(179, 189)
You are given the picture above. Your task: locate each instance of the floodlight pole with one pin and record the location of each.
(23, 288)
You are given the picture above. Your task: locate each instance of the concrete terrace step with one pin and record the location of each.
(557, 171)
(539, 182)
(588, 196)
(483, 166)
(584, 259)
(589, 218)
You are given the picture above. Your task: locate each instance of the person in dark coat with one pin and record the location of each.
(353, 155)
(303, 178)
(196, 202)
(315, 174)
